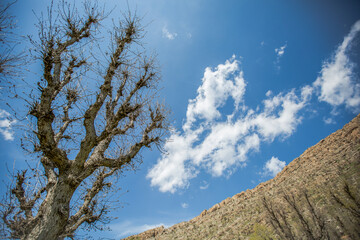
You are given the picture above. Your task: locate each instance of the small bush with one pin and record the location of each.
(262, 232)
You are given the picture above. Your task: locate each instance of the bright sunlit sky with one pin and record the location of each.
(251, 85)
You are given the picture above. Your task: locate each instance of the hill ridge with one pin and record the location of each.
(322, 165)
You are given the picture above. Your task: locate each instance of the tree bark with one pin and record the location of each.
(54, 211)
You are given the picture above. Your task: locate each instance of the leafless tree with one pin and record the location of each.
(348, 202)
(299, 220)
(9, 58)
(298, 217)
(93, 112)
(278, 220)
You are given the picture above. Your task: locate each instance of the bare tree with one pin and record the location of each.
(278, 220)
(93, 112)
(348, 201)
(300, 218)
(9, 59)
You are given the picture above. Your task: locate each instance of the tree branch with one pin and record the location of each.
(86, 211)
(291, 201)
(90, 139)
(99, 160)
(19, 192)
(71, 97)
(282, 229)
(52, 72)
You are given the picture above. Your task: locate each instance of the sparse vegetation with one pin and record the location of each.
(299, 217)
(262, 232)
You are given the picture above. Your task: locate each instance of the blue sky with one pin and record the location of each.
(251, 85)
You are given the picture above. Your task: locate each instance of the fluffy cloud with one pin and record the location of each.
(217, 86)
(170, 172)
(6, 125)
(167, 34)
(274, 166)
(220, 143)
(273, 121)
(336, 84)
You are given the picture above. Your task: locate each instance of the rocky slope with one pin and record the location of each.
(320, 169)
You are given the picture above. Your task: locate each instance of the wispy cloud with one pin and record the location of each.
(167, 34)
(184, 205)
(219, 143)
(6, 124)
(337, 84)
(329, 120)
(279, 53)
(205, 185)
(128, 228)
(273, 166)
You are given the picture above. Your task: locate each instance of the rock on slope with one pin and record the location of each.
(320, 168)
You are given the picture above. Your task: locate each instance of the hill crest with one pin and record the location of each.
(332, 160)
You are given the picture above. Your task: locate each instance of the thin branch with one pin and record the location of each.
(85, 213)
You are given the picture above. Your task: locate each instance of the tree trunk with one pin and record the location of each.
(54, 212)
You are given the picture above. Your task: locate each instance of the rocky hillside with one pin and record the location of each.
(320, 170)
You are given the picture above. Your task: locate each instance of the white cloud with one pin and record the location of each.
(167, 34)
(329, 120)
(273, 121)
(170, 172)
(184, 205)
(281, 50)
(220, 143)
(336, 84)
(6, 125)
(274, 166)
(279, 53)
(128, 228)
(205, 185)
(217, 86)
(225, 145)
